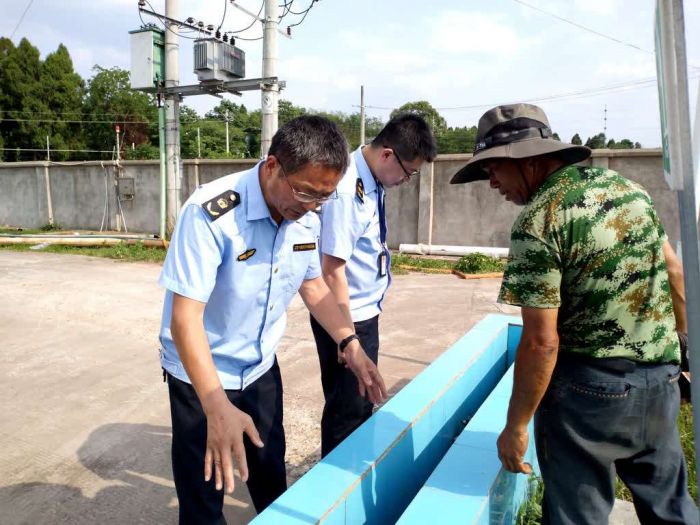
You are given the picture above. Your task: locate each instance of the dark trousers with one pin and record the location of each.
(200, 502)
(595, 421)
(344, 409)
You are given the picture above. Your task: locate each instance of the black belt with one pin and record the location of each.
(620, 365)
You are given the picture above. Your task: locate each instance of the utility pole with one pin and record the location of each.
(674, 105)
(116, 132)
(172, 115)
(362, 115)
(270, 92)
(228, 151)
(199, 144)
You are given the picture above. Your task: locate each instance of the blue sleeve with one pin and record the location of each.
(194, 256)
(341, 226)
(314, 269)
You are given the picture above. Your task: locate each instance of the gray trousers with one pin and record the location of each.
(602, 417)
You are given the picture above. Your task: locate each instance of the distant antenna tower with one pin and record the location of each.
(605, 121)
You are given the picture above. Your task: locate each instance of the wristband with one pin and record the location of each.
(345, 342)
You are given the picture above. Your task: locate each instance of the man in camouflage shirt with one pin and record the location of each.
(602, 296)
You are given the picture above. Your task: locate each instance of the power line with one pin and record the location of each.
(21, 18)
(79, 121)
(223, 18)
(648, 82)
(55, 149)
(566, 20)
(593, 31)
(52, 113)
(306, 12)
(256, 19)
(166, 26)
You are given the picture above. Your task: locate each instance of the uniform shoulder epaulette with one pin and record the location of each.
(360, 190)
(221, 204)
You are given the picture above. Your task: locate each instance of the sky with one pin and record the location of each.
(462, 56)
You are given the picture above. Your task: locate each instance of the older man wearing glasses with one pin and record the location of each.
(356, 261)
(243, 246)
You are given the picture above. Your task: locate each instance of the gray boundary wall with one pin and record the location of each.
(427, 210)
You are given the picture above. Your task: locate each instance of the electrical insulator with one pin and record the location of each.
(289, 31)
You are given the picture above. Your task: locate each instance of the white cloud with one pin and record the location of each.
(460, 32)
(600, 7)
(640, 68)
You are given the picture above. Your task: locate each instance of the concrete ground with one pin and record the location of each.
(85, 431)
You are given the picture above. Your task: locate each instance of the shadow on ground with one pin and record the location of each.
(132, 478)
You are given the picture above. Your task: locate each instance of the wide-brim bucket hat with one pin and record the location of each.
(515, 131)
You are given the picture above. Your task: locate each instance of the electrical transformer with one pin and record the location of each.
(216, 60)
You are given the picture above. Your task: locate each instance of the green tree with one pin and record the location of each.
(189, 123)
(576, 140)
(287, 111)
(596, 141)
(456, 140)
(188, 115)
(110, 101)
(63, 90)
(423, 108)
(240, 125)
(556, 136)
(20, 99)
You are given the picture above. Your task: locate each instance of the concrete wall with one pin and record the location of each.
(426, 210)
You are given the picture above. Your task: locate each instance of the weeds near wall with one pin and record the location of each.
(479, 263)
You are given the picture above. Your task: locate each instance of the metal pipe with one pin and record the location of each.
(163, 171)
(98, 241)
(436, 249)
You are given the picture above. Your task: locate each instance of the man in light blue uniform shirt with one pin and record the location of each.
(356, 260)
(242, 248)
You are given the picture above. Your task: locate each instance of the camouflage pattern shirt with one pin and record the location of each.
(590, 243)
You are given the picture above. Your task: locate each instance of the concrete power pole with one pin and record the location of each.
(269, 93)
(228, 150)
(362, 115)
(172, 116)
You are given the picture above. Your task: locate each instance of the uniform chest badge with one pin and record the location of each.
(246, 255)
(360, 190)
(221, 204)
(305, 247)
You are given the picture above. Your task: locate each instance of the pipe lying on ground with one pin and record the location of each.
(437, 249)
(80, 241)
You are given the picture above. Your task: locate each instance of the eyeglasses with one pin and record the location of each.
(409, 174)
(306, 198)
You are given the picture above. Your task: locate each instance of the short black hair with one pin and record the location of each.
(409, 136)
(310, 139)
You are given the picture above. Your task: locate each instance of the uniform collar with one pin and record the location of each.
(368, 180)
(256, 207)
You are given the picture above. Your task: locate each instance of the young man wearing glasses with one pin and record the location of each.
(356, 260)
(243, 246)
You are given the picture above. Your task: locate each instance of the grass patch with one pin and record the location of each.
(419, 263)
(479, 263)
(22, 231)
(135, 252)
(531, 511)
(472, 263)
